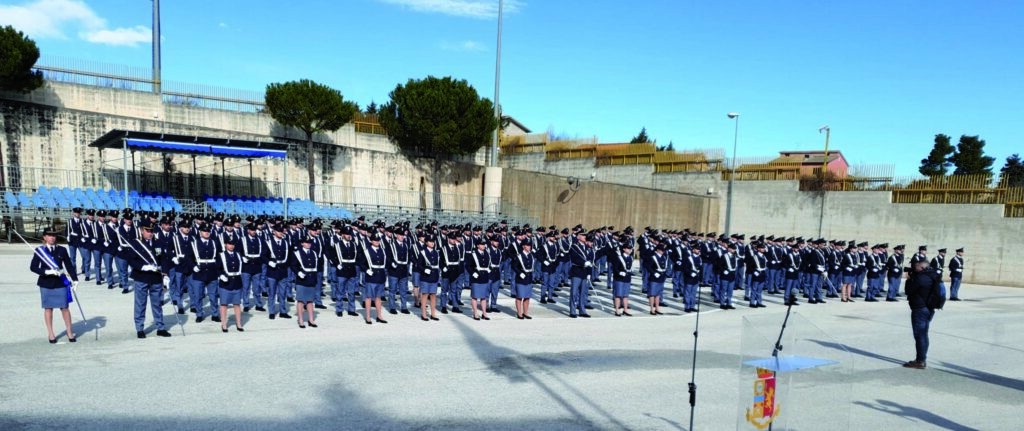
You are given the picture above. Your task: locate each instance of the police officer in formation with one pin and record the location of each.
(268, 263)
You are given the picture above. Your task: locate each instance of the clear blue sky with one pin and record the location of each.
(885, 75)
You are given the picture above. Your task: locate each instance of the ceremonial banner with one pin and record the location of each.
(806, 385)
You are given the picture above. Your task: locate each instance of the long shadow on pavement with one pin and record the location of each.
(970, 373)
(851, 349)
(511, 367)
(886, 406)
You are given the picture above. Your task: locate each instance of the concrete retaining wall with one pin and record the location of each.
(992, 243)
(53, 126)
(597, 204)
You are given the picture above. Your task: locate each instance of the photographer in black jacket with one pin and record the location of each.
(924, 296)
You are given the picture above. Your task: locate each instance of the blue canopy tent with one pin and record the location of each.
(191, 145)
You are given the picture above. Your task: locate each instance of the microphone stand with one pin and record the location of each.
(693, 367)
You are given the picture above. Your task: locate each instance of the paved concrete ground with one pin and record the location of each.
(548, 373)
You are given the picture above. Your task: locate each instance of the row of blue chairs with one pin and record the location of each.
(68, 198)
(275, 207)
(296, 207)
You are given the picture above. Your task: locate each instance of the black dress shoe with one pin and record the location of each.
(822, 301)
(339, 313)
(456, 310)
(312, 325)
(140, 334)
(352, 313)
(626, 313)
(72, 339)
(215, 319)
(292, 300)
(477, 318)
(896, 300)
(239, 329)
(273, 316)
(573, 316)
(424, 319)
(54, 340)
(543, 301)
(369, 322)
(224, 330)
(258, 308)
(488, 318)
(723, 307)
(762, 306)
(125, 291)
(868, 300)
(651, 312)
(405, 311)
(753, 305)
(87, 278)
(379, 320)
(393, 311)
(521, 317)
(200, 319)
(163, 333)
(588, 307)
(192, 309)
(553, 295)
(266, 295)
(246, 309)
(320, 307)
(302, 326)
(181, 311)
(284, 316)
(584, 315)
(434, 318)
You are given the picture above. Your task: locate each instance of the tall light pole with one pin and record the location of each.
(732, 173)
(497, 88)
(156, 46)
(824, 172)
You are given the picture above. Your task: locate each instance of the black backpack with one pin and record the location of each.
(936, 301)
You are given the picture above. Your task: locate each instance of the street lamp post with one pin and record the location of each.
(732, 173)
(497, 88)
(824, 179)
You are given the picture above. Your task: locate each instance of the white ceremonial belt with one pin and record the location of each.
(348, 261)
(206, 260)
(234, 274)
(252, 255)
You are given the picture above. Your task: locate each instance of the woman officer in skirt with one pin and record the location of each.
(230, 289)
(49, 262)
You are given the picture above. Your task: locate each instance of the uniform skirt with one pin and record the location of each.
(54, 298)
(372, 290)
(655, 288)
(428, 288)
(306, 293)
(523, 289)
(480, 290)
(229, 297)
(620, 289)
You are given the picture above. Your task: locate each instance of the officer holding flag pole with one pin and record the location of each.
(54, 266)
